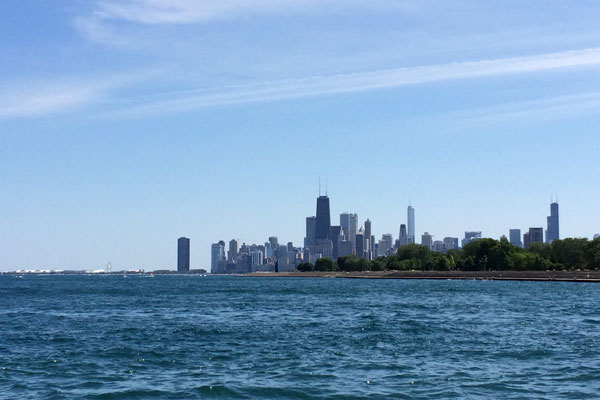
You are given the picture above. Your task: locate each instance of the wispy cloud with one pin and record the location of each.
(363, 81)
(36, 98)
(44, 99)
(190, 11)
(543, 110)
(34, 101)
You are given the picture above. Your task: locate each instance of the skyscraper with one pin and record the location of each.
(183, 254)
(323, 219)
(217, 255)
(257, 260)
(353, 228)
(411, 223)
(368, 243)
(360, 245)
(536, 235)
(345, 225)
(274, 242)
(427, 240)
(311, 225)
(403, 238)
(233, 250)
(552, 233)
(514, 237)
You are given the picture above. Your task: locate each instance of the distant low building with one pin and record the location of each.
(470, 236)
(438, 246)
(450, 243)
(536, 235)
(427, 240)
(514, 237)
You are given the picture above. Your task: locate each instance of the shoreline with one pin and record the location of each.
(535, 276)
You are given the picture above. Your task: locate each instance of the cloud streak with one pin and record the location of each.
(39, 99)
(365, 81)
(548, 109)
(34, 98)
(193, 11)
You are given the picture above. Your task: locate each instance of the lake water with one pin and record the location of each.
(186, 337)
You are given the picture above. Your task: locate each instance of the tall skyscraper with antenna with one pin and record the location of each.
(323, 222)
(411, 223)
(552, 231)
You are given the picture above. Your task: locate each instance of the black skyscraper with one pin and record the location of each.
(183, 254)
(322, 230)
(553, 228)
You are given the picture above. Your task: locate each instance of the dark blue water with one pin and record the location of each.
(186, 337)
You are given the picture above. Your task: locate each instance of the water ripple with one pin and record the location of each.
(176, 337)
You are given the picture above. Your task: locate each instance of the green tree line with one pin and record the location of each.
(479, 255)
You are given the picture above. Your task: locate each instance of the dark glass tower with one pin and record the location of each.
(553, 232)
(183, 254)
(323, 223)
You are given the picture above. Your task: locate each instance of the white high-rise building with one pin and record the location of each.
(353, 228)
(349, 226)
(411, 224)
(257, 260)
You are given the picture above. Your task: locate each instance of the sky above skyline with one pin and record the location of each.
(127, 124)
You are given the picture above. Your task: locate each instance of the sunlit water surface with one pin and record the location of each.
(186, 337)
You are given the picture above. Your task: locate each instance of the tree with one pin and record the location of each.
(411, 251)
(489, 254)
(305, 267)
(353, 263)
(526, 261)
(570, 252)
(378, 264)
(325, 264)
(592, 254)
(543, 249)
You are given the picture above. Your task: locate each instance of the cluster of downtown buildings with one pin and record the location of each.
(348, 238)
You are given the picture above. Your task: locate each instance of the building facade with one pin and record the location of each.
(217, 256)
(411, 223)
(536, 235)
(514, 237)
(183, 255)
(323, 218)
(552, 233)
(427, 240)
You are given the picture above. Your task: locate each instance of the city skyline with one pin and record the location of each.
(323, 240)
(125, 125)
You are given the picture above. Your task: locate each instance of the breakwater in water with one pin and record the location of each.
(557, 276)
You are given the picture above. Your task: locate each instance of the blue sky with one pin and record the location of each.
(126, 124)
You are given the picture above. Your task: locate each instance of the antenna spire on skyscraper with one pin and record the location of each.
(319, 186)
